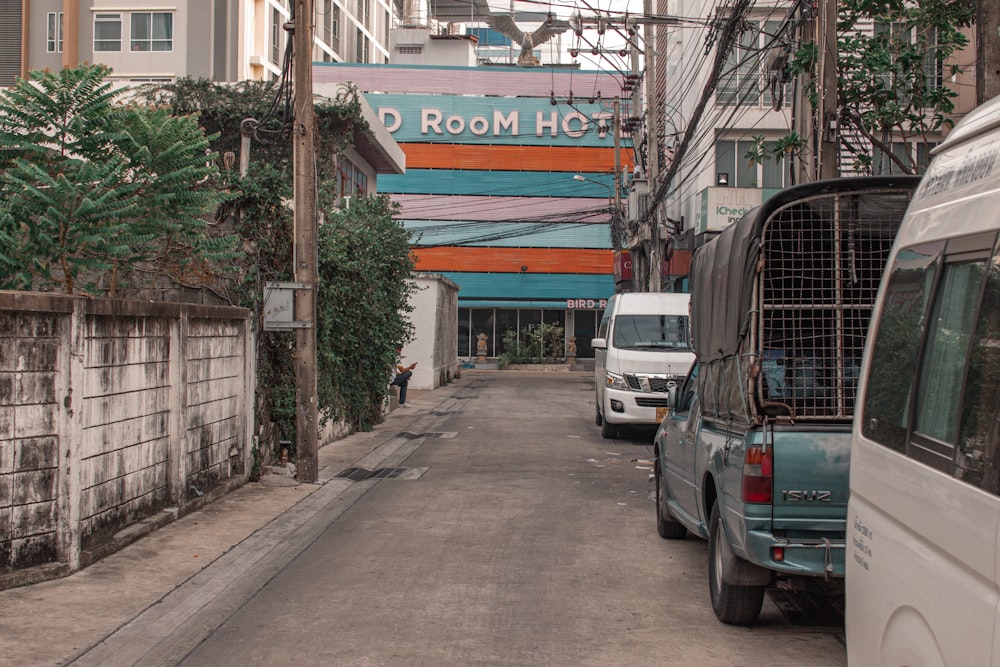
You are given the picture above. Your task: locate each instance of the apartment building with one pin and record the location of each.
(219, 40)
(715, 182)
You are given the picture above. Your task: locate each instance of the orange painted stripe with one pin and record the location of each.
(514, 158)
(510, 260)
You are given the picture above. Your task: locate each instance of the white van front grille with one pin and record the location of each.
(651, 383)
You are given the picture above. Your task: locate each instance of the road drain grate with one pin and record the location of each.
(361, 474)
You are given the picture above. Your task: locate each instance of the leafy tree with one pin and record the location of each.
(262, 110)
(97, 191)
(170, 160)
(64, 186)
(365, 270)
(891, 84)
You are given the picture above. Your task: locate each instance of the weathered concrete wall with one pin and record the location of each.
(435, 323)
(113, 414)
(29, 441)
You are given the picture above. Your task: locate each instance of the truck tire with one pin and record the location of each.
(598, 419)
(609, 431)
(733, 604)
(666, 527)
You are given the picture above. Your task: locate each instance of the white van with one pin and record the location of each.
(641, 352)
(923, 528)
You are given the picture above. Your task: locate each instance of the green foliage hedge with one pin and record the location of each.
(108, 198)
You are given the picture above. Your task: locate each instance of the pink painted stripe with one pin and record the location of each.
(495, 209)
(524, 82)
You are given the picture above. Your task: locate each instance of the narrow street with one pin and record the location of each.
(503, 531)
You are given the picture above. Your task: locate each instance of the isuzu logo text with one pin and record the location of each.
(806, 496)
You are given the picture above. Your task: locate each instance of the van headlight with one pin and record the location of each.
(614, 381)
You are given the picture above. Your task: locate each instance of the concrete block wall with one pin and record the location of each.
(126, 436)
(29, 441)
(214, 385)
(435, 324)
(113, 414)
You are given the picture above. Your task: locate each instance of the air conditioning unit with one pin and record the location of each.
(257, 61)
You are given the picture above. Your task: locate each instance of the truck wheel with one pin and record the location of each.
(733, 604)
(609, 430)
(667, 528)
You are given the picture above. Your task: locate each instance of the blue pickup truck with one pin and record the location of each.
(755, 452)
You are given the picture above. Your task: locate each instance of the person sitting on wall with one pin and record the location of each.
(402, 379)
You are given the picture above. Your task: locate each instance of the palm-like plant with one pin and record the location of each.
(96, 195)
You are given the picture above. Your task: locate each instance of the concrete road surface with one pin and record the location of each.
(491, 526)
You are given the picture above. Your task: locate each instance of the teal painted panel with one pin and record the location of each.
(509, 234)
(495, 183)
(559, 304)
(531, 287)
(520, 121)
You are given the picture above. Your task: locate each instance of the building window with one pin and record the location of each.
(910, 158)
(108, 32)
(731, 158)
(910, 43)
(336, 29)
(54, 42)
(152, 31)
(275, 36)
(366, 10)
(510, 330)
(359, 46)
(741, 80)
(410, 50)
(325, 20)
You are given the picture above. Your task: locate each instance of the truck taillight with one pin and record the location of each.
(758, 474)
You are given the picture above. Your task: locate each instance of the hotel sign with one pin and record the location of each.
(494, 120)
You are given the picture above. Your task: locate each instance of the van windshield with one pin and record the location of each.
(651, 331)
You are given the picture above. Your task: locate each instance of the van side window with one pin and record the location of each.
(978, 460)
(894, 353)
(942, 368)
(934, 382)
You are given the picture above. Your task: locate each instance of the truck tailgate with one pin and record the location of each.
(811, 467)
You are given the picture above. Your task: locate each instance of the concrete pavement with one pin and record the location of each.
(85, 618)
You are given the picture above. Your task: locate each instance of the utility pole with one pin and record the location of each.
(987, 50)
(305, 252)
(615, 219)
(653, 151)
(819, 125)
(635, 243)
(826, 133)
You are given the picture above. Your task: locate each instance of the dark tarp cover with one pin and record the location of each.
(724, 269)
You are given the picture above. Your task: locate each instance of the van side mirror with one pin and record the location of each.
(672, 398)
(599, 343)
